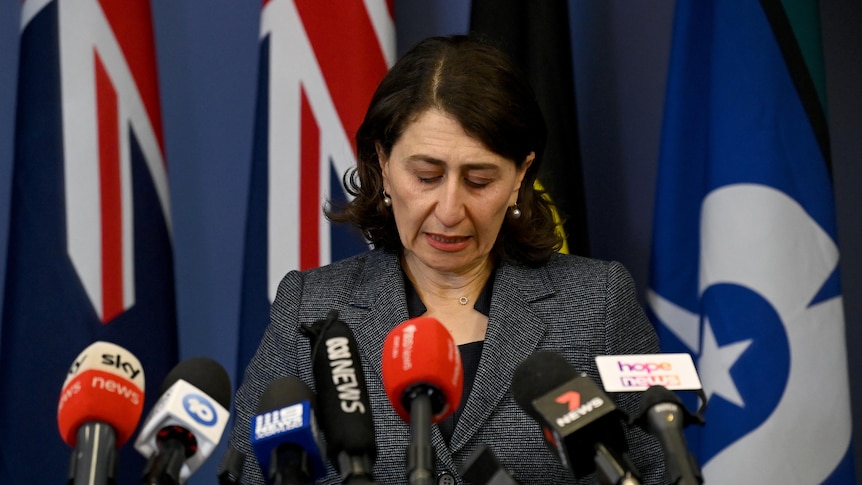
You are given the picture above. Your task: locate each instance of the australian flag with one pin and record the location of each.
(90, 235)
(745, 257)
(320, 63)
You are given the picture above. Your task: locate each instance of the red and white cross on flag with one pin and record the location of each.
(90, 255)
(110, 93)
(319, 65)
(325, 60)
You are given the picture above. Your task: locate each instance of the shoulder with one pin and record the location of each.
(566, 273)
(359, 278)
(346, 272)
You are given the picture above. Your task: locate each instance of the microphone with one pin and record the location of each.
(580, 422)
(483, 468)
(231, 467)
(663, 415)
(100, 405)
(187, 421)
(342, 398)
(424, 386)
(284, 434)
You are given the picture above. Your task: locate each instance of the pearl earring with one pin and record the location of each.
(516, 213)
(387, 201)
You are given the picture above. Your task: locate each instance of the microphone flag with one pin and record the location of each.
(745, 259)
(90, 255)
(320, 63)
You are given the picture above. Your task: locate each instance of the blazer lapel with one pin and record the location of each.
(514, 332)
(378, 306)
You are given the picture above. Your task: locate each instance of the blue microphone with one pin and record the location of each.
(285, 436)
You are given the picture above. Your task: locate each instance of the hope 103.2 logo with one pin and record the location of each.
(637, 372)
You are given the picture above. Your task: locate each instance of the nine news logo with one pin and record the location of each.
(278, 421)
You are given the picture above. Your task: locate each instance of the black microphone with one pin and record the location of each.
(342, 398)
(581, 424)
(483, 468)
(663, 415)
(185, 425)
(284, 434)
(230, 468)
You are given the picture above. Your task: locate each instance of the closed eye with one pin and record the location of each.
(477, 184)
(428, 180)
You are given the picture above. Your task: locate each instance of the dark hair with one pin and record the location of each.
(479, 86)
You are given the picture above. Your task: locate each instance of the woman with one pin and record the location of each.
(447, 155)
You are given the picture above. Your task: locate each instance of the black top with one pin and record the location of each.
(470, 352)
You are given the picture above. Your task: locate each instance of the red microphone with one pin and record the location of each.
(100, 406)
(424, 382)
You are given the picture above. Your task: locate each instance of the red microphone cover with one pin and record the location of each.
(106, 384)
(421, 352)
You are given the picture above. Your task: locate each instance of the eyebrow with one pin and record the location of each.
(437, 161)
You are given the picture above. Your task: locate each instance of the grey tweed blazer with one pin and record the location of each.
(574, 306)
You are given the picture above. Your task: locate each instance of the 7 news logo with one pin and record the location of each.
(575, 409)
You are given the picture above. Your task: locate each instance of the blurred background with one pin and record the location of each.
(207, 59)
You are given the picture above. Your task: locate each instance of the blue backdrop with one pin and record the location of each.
(207, 54)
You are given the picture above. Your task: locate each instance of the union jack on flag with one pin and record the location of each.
(320, 63)
(90, 233)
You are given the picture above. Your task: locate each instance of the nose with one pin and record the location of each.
(450, 206)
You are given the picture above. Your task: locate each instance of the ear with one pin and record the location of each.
(519, 177)
(383, 161)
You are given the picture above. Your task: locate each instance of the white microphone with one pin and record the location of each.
(187, 422)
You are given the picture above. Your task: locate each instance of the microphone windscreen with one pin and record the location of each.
(658, 394)
(537, 375)
(342, 395)
(420, 353)
(105, 383)
(204, 373)
(282, 392)
(483, 468)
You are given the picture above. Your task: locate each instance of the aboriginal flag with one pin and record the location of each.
(536, 36)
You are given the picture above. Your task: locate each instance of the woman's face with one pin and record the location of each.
(449, 193)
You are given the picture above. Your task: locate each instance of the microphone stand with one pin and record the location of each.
(163, 468)
(290, 465)
(614, 469)
(420, 453)
(94, 460)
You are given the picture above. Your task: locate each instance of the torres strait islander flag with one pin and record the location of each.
(745, 256)
(89, 255)
(320, 63)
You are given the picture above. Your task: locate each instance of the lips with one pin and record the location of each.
(447, 243)
(446, 240)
